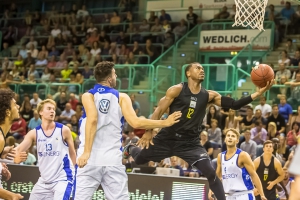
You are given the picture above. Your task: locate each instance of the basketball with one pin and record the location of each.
(261, 74)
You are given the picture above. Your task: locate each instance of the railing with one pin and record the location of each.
(164, 77)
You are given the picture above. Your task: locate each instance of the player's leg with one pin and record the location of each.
(157, 152)
(114, 183)
(86, 182)
(195, 155)
(41, 191)
(63, 190)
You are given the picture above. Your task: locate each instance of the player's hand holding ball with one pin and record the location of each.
(263, 77)
(82, 160)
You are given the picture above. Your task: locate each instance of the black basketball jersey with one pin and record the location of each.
(266, 174)
(193, 108)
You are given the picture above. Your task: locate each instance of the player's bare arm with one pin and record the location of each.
(4, 194)
(227, 102)
(245, 161)
(137, 122)
(69, 140)
(219, 165)
(30, 138)
(90, 128)
(280, 172)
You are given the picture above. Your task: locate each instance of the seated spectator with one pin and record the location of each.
(69, 50)
(166, 26)
(272, 131)
(282, 72)
(94, 37)
(295, 94)
(258, 116)
(144, 27)
(168, 40)
(157, 27)
(35, 100)
(29, 60)
(131, 59)
(288, 12)
(35, 121)
(296, 72)
(82, 13)
(55, 32)
(131, 28)
(51, 43)
(103, 38)
(128, 18)
(175, 165)
(264, 107)
(52, 62)
(66, 115)
(150, 50)
(74, 124)
(44, 51)
(231, 121)
(249, 145)
(271, 13)
(247, 122)
(296, 117)
(293, 134)
(15, 73)
(136, 48)
(95, 49)
(18, 129)
(285, 110)
(90, 60)
(32, 41)
(277, 119)
(284, 59)
(5, 51)
(152, 17)
(33, 71)
(26, 111)
(75, 69)
(290, 47)
(41, 61)
(258, 133)
(181, 29)
(61, 103)
(206, 144)
(115, 21)
(19, 62)
(65, 73)
(192, 18)
(114, 49)
(215, 134)
(23, 51)
(9, 36)
(6, 64)
(62, 61)
(91, 28)
(46, 75)
(164, 16)
(124, 51)
(73, 101)
(87, 72)
(224, 14)
(283, 91)
(33, 51)
(132, 138)
(122, 38)
(283, 149)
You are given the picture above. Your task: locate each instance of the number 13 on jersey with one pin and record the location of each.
(189, 113)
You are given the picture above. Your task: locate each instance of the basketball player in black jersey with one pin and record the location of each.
(182, 139)
(9, 111)
(269, 171)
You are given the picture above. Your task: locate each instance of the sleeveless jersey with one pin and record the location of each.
(107, 144)
(53, 156)
(266, 174)
(234, 178)
(193, 108)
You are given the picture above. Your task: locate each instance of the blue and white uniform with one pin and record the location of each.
(56, 168)
(105, 163)
(237, 182)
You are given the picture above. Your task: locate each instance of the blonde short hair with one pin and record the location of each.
(234, 131)
(42, 103)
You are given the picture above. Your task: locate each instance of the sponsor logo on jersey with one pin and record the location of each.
(104, 106)
(49, 153)
(41, 140)
(101, 89)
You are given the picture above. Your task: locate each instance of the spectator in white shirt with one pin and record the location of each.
(41, 61)
(66, 115)
(282, 72)
(92, 28)
(249, 145)
(266, 109)
(82, 13)
(95, 49)
(34, 52)
(35, 100)
(56, 31)
(32, 41)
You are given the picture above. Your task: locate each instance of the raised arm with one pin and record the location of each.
(227, 102)
(69, 140)
(251, 168)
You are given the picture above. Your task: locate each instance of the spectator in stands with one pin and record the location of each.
(258, 133)
(94, 37)
(294, 99)
(122, 38)
(164, 16)
(5, 51)
(5, 18)
(296, 71)
(224, 14)
(41, 61)
(152, 17)
(19, 62)
(288, 12)
(87, 72)
(9, 36)
(175, 165)
(45, 75)
(132, 138)
(206, 144)
(128, 18)
(32, 41)
(61, 103)
(215, 134)
(82, 13)
(34, 121)
(277, 118)
(65, 73)
(264, 107)
(33, 51)
(69, 50)
(192, 18)
(6, 64)
(66, 115)
(62, 61)
(181, 29)
(31, 159)
(29, 60)
(290, 47)
(55, 32)
(249, 145)
(285, 110)
(73, 101)
(23, 51)
(166, 26)
(150, 50)
(44, 52)
(296, 117)
(91, 28)
(95, 49)
(231, 120)
(35, 100)
(52, 62)
(144, 29)
(26, 111)
(74, 123)
(212, 114)
(296, 60)
(283, 149)
(18, 129)
(74, 9)
(103, 38)
(136, 48)
(258, 116)
(168, 41)
(33, 71)
(115, 21)
(282, 72)
(247, 121)
(272, 131)
(15, 72)
(136, 105)
(90, 60)
(75, 69)
(284, 59)
(293, 134)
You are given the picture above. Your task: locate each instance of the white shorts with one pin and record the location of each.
(248, 196)
(113, 180)
(60, 190)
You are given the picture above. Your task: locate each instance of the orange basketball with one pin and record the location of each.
(261, 74)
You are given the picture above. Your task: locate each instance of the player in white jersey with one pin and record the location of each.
(236, 170)
(56, 155)
(100, 152)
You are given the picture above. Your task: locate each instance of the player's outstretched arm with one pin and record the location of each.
(219, 165)
(251, 168)
(24, 146)
(90, 127)
(69, 140)
(137, 122)
(227, 102)
(4, 194)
